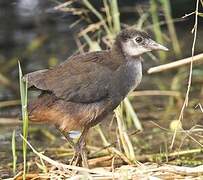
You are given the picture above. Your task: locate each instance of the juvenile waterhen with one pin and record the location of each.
(83, 90)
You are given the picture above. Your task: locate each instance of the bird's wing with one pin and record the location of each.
(82, 81)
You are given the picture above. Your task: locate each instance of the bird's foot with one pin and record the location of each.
(80, 157)
(76, 159)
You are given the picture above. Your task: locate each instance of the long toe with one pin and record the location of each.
(84, 159)
(80, 156)
(76, 159)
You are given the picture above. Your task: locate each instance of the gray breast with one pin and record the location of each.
(134, 73)
(126, 78)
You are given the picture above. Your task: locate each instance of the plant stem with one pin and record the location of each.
(14, 152)
(23, 95)
(115, 16)
(156, 26)
(97, 14)
(171, 28)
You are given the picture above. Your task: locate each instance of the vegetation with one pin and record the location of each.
(23, 95)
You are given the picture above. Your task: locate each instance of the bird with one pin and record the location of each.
(81, 91)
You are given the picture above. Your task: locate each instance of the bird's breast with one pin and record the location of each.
(134, 74)
(126, 79)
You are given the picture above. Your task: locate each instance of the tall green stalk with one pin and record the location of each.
(171, 28)
(125, 139)
(23, 95)
(176, 82)
(115, 16)
(14, 152)
(156, 26)
(108, 15)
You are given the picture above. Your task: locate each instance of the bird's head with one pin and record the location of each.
(134, 43)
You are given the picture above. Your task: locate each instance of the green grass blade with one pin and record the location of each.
(93, 45)
(171, 28)
(14, 152)
(125, 140)
(132, 114)
(105, 142)
(115, 16)
(142, 20)
(108, 15)
(23, 94)
(156, 26)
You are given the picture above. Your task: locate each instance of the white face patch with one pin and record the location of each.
(132, 48)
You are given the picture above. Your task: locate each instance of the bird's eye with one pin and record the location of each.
(138, 39)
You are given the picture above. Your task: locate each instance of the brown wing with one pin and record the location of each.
(36, 78)
(79, 79)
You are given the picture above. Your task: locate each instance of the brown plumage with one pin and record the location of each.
(74, 92)
(81, 91)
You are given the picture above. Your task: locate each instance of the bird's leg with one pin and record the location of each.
(80, 153)
(79, 147)
(68, 138)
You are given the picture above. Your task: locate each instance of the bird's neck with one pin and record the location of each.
(117, 53)
(125, 79)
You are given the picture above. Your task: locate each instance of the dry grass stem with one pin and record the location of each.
(91, 28)
(113, 150)
(197, 58)
(9, 103)
(156, 93)
(185, 104)
(63, 5)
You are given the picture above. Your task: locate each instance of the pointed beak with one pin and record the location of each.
(156, 46)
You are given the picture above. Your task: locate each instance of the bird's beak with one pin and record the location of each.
(156, 46)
